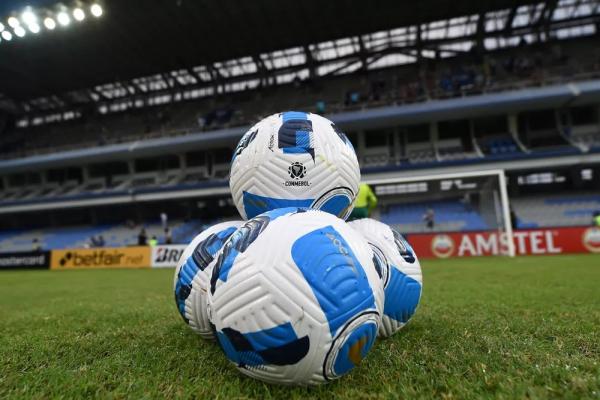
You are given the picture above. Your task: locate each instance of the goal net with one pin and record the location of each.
(448, 203)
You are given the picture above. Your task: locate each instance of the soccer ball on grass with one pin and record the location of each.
(295, 297)
(401, 273)
(192, 275)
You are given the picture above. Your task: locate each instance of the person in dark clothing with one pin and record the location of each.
(429, 218)
(142, 238)
(513, 219)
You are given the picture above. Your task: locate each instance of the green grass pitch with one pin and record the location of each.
(486, 328)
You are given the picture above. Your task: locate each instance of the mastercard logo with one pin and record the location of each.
(442, 246)
(591, 239)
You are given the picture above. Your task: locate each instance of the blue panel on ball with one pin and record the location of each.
(215, 245)
(202, 255)
(227, 347)
(278, 346)
(225, 263)
(255, 205)
(355, 348)
(294, 115)
(401, 296)
(183, 287)
(294, 150)
(337, 205)
(303, 139)
(206, 250)
(294, 135)
(334, 274)
(273, 337)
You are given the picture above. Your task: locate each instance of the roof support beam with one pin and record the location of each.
(362, 52)
(510, 19)
(310, 62)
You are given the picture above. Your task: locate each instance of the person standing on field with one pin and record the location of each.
(596, 219)
(429, 218)
(365, 202)
(142, 238)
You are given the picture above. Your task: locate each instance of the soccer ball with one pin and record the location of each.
(295, 297)
(401, 273)
(193, 274)
(294, 159)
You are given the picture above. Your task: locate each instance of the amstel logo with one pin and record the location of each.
(442, 246)
(591, 239)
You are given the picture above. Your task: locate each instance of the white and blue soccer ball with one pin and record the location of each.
(400, 271)
(295, 297)
(193, 272)
(294, 159)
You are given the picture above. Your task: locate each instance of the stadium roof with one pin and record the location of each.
(134, 54)
(140, 38)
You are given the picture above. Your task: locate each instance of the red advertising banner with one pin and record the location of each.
(527, 242)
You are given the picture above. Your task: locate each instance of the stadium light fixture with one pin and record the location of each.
(13, 22)
(36, 19)
(19, 31)
(49, 23)
(6, 35)
(63, 18)
(78, 14)
(28, 17)
(34, 28)
(96, 10)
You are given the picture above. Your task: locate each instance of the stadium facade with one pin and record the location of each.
(497, 86)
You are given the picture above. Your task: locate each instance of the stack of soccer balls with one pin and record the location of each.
(294, 294)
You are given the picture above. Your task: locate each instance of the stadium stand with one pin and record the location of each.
(531, 212)
(556, 210)
(116, 235)
(513, 88)
(449, 216)
(509, 70)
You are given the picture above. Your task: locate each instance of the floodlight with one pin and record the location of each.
(28, 17)
(13, 22)
(96, 10)
(19, 31)
(63, 18)
(49, 23)
(78, 14)
(34, 28)
(6, 35)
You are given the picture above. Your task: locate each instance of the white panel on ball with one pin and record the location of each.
(193, 272)
(295, 297)
(294, 159)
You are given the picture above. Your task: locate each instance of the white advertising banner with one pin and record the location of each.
(166, 256)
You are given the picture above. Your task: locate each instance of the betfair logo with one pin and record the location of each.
(96, 258)
(110, 257)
